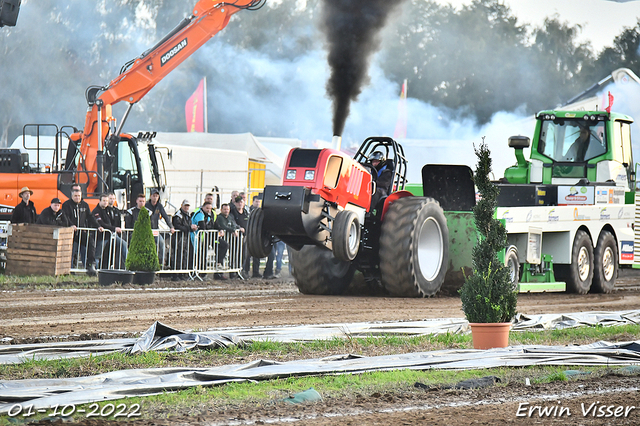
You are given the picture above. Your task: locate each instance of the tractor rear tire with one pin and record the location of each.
(259, 242)
(345, 236)
(579, 274)
(317, 271)
(414, 247)
(606, 264)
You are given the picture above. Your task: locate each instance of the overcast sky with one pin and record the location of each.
(601, 20)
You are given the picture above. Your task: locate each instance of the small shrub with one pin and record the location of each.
(488, 295)
(142, 254)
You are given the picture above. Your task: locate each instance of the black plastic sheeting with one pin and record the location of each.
(160, 337)
(44, 393)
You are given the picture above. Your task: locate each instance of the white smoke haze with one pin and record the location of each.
(247, 91)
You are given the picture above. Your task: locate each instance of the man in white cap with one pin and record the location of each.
(25, 211)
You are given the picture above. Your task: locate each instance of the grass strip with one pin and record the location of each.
(208, 401)
(368, 346)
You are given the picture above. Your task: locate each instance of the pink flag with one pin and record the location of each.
(194, 110)
(608, 109)
(401, 124)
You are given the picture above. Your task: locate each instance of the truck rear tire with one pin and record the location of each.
(579, 274)
(414, 247)
(317, 271)
(513, 266)
(345, 235)
(606, 264)
(259, 242)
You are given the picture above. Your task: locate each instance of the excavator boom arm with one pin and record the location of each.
(207, 19)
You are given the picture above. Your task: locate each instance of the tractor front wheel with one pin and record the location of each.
(317, 271)
(414, 247)
(345, 235)
(259, 241)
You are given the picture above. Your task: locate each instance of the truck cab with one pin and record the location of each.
(570, 147)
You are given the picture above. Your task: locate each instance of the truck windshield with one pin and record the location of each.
(573, 141)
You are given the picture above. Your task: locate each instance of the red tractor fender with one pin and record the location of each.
(392, 198)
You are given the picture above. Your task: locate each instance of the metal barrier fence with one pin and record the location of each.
(196, 253)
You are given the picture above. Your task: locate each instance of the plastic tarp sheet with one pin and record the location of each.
(161, 337)
(561, 321)
(43, 393)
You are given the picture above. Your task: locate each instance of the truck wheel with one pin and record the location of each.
(345, 235)
(579, 274)
(258, 240)
(606, 264)
(317, 271)
(513, 266)
(414, 247)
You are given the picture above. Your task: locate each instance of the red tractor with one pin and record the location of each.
(342, 214)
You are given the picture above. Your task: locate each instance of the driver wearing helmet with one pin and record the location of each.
(382, 174)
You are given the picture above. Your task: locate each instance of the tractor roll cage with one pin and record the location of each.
(392, 150)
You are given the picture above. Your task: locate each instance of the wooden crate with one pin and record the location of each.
(39, 250)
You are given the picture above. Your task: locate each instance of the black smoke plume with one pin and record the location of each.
(352, 29)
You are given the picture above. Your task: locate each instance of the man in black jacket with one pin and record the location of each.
(25, 211)
(241, 216)
(205, 222)
(53, 215)
(131, 215)
(105, 243)
(114, 213)
(182, 255)
(156, 210)
(79, 214)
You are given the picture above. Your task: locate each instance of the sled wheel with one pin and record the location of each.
(317, 271)
(345, 235)
(259, 241)
(414, 247)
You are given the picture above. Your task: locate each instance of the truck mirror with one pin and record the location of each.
(9, 12)
(519, 142)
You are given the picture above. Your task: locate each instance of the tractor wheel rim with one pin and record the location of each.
(353, 237)
(512, 270)
(608, 266)
(430, 249)
(583, 264)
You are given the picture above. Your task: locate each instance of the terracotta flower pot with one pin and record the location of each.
(490, 335)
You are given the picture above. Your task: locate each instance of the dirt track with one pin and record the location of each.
(211, 304)
(33, 315)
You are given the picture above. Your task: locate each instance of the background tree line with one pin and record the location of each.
(471, 62)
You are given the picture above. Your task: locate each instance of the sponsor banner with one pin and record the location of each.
(575, 195)
(609, 195)
(626, 250)
(6, 209)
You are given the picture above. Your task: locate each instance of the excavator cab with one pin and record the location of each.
(9, 12)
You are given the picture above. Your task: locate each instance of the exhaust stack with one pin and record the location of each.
(336, 142)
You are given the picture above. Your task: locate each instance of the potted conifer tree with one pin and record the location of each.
(143, 257)
(488, 297)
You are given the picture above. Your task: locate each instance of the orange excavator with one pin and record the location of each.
(100, 158)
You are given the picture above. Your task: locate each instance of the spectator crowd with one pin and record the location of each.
(110, 248)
